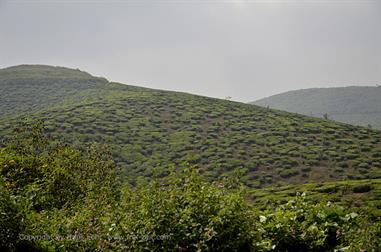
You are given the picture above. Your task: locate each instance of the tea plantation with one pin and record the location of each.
(103, 166)
(56, 197)
(151, 130)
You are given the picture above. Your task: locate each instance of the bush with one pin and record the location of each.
(49, 174)
(189, 213)
(362, 188)
(363, 236)
(10, 221)
(302, 226)
(286, 173)
(51, 188)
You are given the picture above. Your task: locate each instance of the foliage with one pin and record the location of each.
(301, 226)
(43, 178)
(51, 174)
(364, 235)
(10, 220)
(183, 212)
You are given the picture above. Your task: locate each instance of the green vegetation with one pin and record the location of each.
(354, 105)
(56, 197)
(112, 167)
(147, 128)
(28, 88)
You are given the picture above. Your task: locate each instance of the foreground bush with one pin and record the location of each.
(183, 212)
(10, 220)
(47, 188)
(302, 226)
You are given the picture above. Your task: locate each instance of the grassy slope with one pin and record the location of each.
(29, 88)
(150, 131)
(355, 105)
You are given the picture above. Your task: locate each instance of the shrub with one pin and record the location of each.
(363, 236)
(286, 173)
(191, 213)
(10, 221)
(362, 188)
(302, 226)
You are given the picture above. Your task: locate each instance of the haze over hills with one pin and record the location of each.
(151, 131)
(355, 105)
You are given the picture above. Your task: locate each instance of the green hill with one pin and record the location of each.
(28, 88)
(149, 131)
(315, 184)
(354, 105)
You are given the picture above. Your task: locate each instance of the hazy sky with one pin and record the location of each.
(244, 49)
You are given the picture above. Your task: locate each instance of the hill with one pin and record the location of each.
(60, 191)
(27, 88)
(151, 131)
(354, 105)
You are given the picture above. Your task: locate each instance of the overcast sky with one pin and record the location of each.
(243, 49)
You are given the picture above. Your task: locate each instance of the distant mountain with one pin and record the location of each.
(152, 131)
(355, 105)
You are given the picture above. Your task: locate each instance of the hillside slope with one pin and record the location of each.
(354, 105)
(151, 131)
(28, 88)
